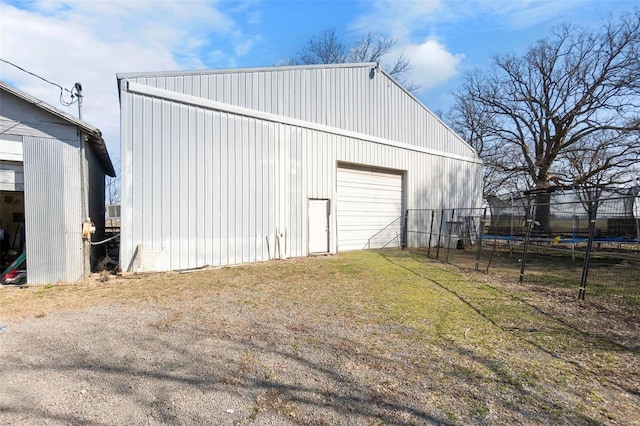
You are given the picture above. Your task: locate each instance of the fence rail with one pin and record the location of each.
(582, 249)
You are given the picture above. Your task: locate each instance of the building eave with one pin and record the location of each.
(93, 134)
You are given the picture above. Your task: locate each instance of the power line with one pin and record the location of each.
(62, 89)
(35, 75)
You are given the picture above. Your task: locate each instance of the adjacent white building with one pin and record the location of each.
(44, 199)
(232, 166)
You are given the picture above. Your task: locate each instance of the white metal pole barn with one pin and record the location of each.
(232, 166)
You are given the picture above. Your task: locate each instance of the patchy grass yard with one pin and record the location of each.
(383, 337)
(614, 271)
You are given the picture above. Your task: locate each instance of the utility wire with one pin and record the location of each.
(96, 243)
(35, 75)
(62, 89)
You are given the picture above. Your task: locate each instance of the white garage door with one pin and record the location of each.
(369, 209)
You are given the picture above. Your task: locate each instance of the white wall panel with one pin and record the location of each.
(11, 176)
(10, 150)
(20, 118)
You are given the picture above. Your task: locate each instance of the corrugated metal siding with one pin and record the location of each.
(52, 210)
(205, 187)
(199, 189)
(343, 97)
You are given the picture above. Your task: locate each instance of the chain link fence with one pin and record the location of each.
(582, 248)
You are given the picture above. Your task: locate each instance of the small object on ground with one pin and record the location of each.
(104, 262)
(196, 269)
(230, 411)
(2, 327)
(15, 277)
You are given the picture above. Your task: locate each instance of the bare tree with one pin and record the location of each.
(113, 190)
(602, 161)
(324, 48)
(328, 48)
(566, 112)
(472, 121)
(112, 187)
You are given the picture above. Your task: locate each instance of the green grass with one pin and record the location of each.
(497, 335)
(42, 291)
(614, 274)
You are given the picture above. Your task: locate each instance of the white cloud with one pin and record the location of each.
(433, 63)
(91, 41)
(417, 26)
(398, 19)
(244, 47)
(412, 24)
(403, 19)
(523, 14)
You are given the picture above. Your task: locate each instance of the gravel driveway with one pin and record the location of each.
(219, 361)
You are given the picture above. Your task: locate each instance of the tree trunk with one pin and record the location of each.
(543, 214)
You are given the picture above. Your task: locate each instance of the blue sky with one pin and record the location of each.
(91, 40)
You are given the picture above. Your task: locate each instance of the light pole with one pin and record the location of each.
(84, 188)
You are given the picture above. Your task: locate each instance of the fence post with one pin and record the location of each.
(450, 229)
(440, 234)
(481, 237)
(403, 243)
(511, 224)
(433, 214)
(495, 242)
(523, 261)
(587, 256)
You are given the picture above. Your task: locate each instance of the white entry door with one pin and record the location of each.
(318, 226)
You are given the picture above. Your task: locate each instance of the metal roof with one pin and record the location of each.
(94, 135)
(238, 70)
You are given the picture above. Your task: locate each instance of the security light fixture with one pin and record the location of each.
(374, 70)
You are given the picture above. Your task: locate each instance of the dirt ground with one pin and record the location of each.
(304, 341)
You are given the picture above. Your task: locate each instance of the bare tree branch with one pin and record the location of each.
(569, 107)
(566, 112)
(324, 48)
(327, 48)
(112, 187)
